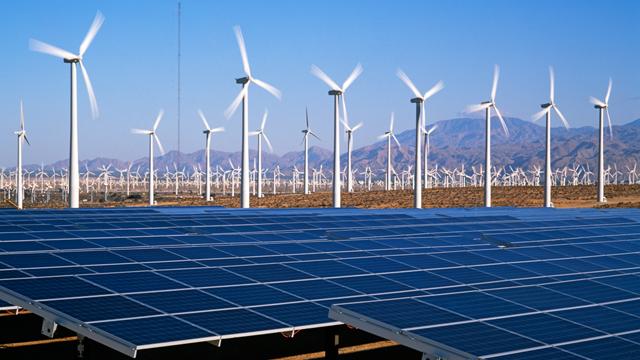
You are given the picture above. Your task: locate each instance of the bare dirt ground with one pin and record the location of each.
(520, 196)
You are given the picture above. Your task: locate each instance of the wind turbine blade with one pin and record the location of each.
(502, 122)
(236, 102)
(393, 117)
(39, 46)
(344, 108)
(324, 77)
(314, 135)
(352, 77)
(140, 132)
(597, 102)
(345, 124)
(409, 83)
(306, 114)
(266, 140)
(609, 120)
(243, 50)
(357, 126)
(204, 120)
(158, 118)
(434, 90)
(271, 89)
(216, 130)
(395, 139)
(92, 96)
(564, 120)
(552, 86)
(21, 116)
(477, 107)
(606, 98)
(254, 133)
(537, 116)
(494, 87)
(384, 136)
(160, 147)
(231, 163)
(26, 139)
(432, 129)
(93, 30)
(264, 119)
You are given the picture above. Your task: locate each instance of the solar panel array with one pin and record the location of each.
(134, 279)
(586, 304)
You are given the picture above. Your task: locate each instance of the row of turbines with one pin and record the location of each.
(338, 92)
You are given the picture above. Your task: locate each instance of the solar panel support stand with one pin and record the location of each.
(331, 343)
(80, 346)
(216, 343)
(49, 328)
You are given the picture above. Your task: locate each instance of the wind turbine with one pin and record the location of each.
(243, 97)
(307, 131)
(420, 123)
(427, 136)
(602, 106)
(72, 60)
(152, 136)
(207, 154)
(546, 110)
(22, 134)
(350, 131)
(389, 135)
(261, 135)
(337, 92)
(486, 106)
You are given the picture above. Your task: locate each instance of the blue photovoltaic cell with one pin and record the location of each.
(181, 301)
(297, 314)
(249, 295)
(475, 305)
(611, 348)
(546, 328)
(152, 330)
(47, 288)
(94, 257)
(541, 354)
(326, 268)
(269, 272)
(478, 338)
(229, 322)
(538, 298)
(205, 277)
(601, 318)
(133, 282)
(110, 307)
(316, 289)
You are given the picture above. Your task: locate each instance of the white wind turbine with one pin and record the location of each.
(427, 137)
(420, 123)
(207, 152)
(307, 131)
(486, 106)
(546, 110)
(337, 92)
(22, 134)
(350, 130)
(602, 106)
(152, 136)
(389, 135)
(73, 59)
(243, 97)
(261, 135)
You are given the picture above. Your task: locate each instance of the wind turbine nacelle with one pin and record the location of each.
(242, 80)
(597, 106)
(546, 105)
(417, 100)
(335, 92)
(70, 61)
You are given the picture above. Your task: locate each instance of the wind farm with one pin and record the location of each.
(402, 223)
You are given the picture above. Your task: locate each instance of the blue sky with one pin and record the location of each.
(132, 64)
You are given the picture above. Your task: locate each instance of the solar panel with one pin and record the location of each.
(135, 279)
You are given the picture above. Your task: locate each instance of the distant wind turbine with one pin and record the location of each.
(22, 135)
(152, 136)
(73, 59)
(337, 92)
(427, 137)
(350, 131)
(486, 106)
(207, 152)
(261, 135)
(420, 123)
(243, 97)
(307, 131)
(602, 106)
(389, 135)
(546, 110)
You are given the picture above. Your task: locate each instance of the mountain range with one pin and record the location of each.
(455, 142)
